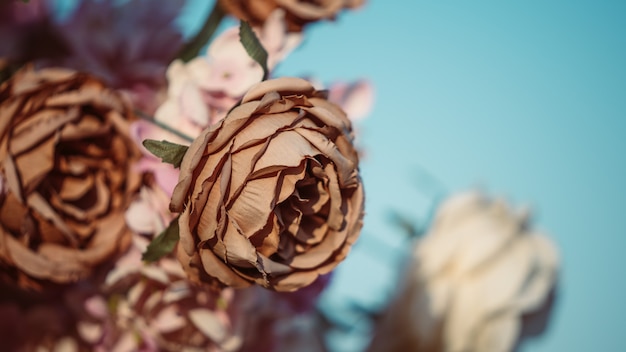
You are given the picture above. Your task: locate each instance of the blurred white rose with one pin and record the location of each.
(471, 278)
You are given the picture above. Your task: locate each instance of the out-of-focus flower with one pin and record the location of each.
(355, 98)
(127, 44)
(66, 160)
(152, 307)
(271, 194)
(201, 92)
(298, 13)
(165, 175)
(149, 213)
(28, 33)
(473, 276)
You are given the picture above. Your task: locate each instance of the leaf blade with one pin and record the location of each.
(163, 244)
(253, 46)
(169, 152)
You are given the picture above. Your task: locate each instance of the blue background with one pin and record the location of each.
(524, 99)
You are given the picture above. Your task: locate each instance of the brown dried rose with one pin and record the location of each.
(298, 13)
(65, 161)
(272, 193)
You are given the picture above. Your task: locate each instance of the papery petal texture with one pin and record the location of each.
(66, 156)
(272, 194)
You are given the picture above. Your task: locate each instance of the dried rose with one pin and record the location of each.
(477, 271)
(272, 193)
(298, 12)
(66, 158)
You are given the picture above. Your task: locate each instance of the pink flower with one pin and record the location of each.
(149, 213)
(166, 176)
(355, 98)
(201, 92)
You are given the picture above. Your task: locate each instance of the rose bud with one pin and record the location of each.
(297, 13)
(65, 161)
(271, 194)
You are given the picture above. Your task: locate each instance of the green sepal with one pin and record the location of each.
(169, 152)
(163, 244)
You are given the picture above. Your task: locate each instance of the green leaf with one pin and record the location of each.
(169, 152)
(163, 244)
(253, 46)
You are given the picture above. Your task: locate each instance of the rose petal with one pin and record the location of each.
(220, 270)
(208, 323)
(283, 85)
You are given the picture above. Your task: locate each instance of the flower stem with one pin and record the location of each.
(192, 48)
(163, 126)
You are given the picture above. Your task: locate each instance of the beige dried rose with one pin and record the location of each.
(65, 161)
(298, 13)
(471, 278)
(272, 193)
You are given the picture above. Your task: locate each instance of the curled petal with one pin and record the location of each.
(270, 195)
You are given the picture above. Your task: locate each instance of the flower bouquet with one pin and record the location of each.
(161, 194)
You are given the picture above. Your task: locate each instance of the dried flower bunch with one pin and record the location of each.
(66, 175)
(268, 194)
(215, 221)
(272, 194)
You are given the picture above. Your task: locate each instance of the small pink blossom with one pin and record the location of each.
(356, 98)
(166, 176)
(202, 91)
